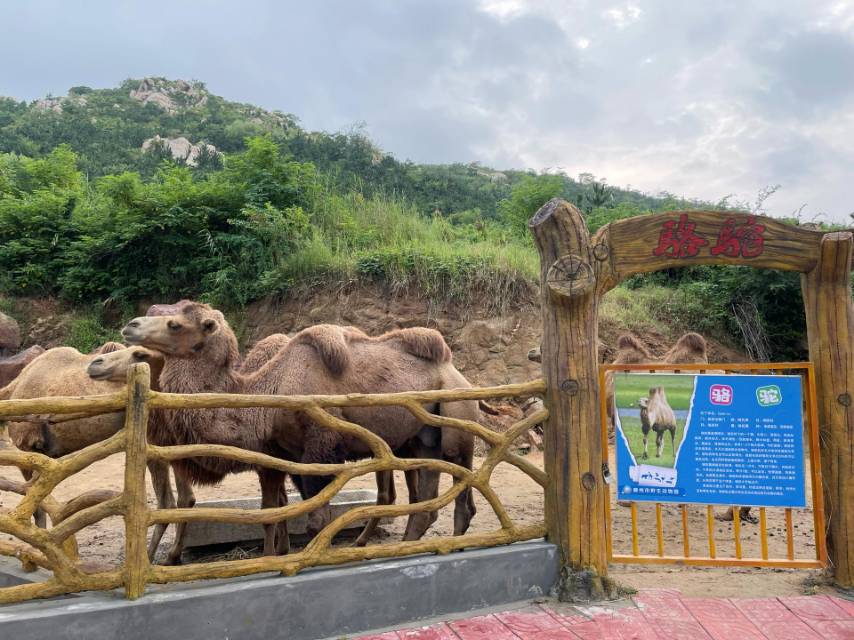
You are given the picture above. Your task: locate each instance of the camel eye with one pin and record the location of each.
(173, 325)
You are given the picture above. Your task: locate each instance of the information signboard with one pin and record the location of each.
(710, 439)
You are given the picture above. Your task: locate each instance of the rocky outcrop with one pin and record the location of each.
(171, 96)
(49, 104)
(181, 149)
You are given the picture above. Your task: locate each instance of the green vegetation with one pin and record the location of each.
(630, 387)
(634, 436)
(87, 215)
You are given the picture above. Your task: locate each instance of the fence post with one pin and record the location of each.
(830, 330)
(136, 507)
(575, 517)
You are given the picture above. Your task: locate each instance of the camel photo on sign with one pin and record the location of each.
(710, 439)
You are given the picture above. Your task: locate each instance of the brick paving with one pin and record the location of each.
(654, 614)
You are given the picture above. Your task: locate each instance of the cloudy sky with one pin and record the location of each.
(702, 99)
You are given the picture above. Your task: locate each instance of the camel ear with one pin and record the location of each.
(210, 327)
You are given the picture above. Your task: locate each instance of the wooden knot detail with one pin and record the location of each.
(569, 386)
(844, 399)
(601, 252)
(570, 276)
(588, 481)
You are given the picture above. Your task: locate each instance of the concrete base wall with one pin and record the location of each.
(320, 603)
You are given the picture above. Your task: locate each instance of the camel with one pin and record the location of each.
(62, 372)
(200, 348)
(657, 415)
(113, 367)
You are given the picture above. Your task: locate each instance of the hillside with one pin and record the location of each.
(159, 189)
(108, 129)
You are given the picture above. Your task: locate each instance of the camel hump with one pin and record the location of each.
(691, 348)
(424, 343)
(330, 343)
(693, 342)
(630, 343)
(631, 350)
(107, 347)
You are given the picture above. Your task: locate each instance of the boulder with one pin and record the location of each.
(180, 148)
(10, 367)
(10, 335)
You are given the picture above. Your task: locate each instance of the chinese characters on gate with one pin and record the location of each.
(678, 239)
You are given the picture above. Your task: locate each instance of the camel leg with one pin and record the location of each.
(645, 444)
(276, 540)
(428, 488)
(159, 471)
(386, 494)
(464, 507)
(659, 443)
(186, 500)
(422, 484)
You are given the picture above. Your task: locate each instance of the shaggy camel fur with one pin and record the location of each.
(200, 349)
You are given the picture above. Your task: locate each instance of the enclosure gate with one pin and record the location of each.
(576, 270)
(714, 559)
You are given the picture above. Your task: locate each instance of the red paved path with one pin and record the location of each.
(658, 614)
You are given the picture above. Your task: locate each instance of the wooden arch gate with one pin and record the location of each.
(577, 270)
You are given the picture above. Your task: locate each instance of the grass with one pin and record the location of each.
(629, 387)
(386, 240)
(634, 436)
(86, 332)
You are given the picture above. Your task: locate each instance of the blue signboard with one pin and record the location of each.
(710, 439)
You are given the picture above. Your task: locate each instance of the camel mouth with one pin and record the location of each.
(97, 374)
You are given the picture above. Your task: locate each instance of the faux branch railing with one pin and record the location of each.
(54, 548)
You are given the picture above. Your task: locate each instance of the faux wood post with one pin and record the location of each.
(575, 518)
(136, 507)
(830, 329)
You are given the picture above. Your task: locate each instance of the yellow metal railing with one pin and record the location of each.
(54, 548)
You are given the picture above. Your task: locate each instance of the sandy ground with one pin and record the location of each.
(102, 544)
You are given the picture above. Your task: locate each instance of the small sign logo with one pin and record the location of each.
(769, 396)
(720, 394)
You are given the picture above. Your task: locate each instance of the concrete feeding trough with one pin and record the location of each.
(203, 534)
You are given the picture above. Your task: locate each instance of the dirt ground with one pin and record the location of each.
(102, 544)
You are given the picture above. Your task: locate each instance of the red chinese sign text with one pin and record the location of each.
(679, 239)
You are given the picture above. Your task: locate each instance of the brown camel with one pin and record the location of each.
(62, 372)
(657, 416)
(200, 349)
(114, 366)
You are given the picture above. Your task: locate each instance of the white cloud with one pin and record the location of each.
(700, 99)
(623, 16)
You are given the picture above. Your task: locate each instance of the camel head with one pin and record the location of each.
(114, 365)
(186, 333)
